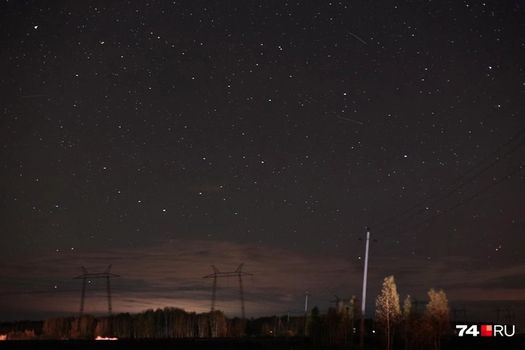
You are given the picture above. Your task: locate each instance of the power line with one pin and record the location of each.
(457, 184)
(465, 200)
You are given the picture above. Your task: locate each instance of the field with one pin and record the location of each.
(257, 343)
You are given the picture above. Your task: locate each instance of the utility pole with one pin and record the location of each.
(241, 292)
(108, 289)
(214, 289)
(306, 295)
(363, 300)
(498, 310)
(237, 273)
(510, 316)
(338, 303)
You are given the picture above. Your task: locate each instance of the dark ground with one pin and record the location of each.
(514, 343)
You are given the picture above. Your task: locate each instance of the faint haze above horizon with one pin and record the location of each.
(170, 274)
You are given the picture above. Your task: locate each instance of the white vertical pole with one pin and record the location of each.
(306, 302)
(363, 300)
(365, 273)
(306, 313)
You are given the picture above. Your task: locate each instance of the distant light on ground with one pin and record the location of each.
(105, 338)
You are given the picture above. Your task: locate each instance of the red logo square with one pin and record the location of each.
(486, 330)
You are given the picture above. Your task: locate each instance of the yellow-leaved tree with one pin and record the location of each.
(388, 311)
(437, 315)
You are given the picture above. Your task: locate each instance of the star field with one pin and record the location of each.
(286, 125)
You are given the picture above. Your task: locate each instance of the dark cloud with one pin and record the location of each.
(508, 282)
(170, 274)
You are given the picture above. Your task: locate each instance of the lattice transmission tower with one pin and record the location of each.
(86, 278)
(239, 273)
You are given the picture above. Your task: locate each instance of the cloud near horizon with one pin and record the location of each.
(170, 274)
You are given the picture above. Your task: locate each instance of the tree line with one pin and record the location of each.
(163, 323)
(396, 324)
(413, 330)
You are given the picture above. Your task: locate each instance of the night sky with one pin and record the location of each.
(166, 136)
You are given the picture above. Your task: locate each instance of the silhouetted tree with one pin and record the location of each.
(407, 320)
(83, 327)
(315, 330)
(437, 315)
(57, 328)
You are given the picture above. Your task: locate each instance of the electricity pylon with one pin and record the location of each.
(87, 277)
(237, 273)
